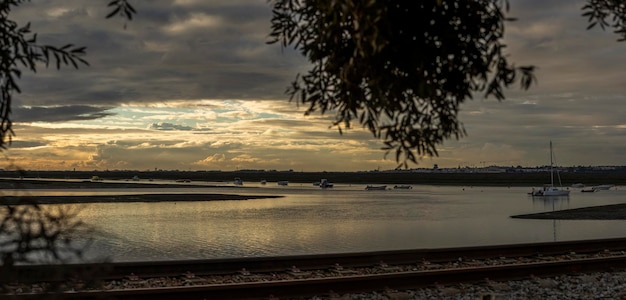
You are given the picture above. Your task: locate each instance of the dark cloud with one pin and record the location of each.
(26, 144)
(169, 126)
(59, 113)
(191, 50)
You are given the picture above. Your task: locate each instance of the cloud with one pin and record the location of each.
(195, 21)
(214, 160)
(169, 126)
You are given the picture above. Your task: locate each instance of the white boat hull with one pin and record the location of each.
(551, 191)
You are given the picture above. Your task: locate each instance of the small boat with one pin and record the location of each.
(402, 187)
(325, 184)
(588, 190)
(283, 183)
(263, 181)
(96, 178)
(135, 178)
(604, 187)
(375, 187)
(183, 180)
(238, 181)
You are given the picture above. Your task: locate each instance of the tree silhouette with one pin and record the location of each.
(403, 68)
(31, 233)
(20, 51)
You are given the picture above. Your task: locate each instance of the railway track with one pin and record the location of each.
(304, 276)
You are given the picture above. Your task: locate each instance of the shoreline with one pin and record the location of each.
(463, 177)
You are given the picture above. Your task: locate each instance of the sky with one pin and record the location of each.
(193, 85)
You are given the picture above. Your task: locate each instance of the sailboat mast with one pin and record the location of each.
(551, 166)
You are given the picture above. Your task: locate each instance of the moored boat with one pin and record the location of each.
(402, 187)
(550, 189)
(325, 184)
(603, 187)
(375, 187)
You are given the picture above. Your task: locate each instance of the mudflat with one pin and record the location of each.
(603, 212)
(87, 184)
(11, 200)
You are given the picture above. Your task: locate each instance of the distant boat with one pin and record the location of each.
(283, 183)
(263, 181)
(550, 189)
(603, 187)
(183, 180)
(135, 178)
(325, 184)
(588, 190)
(96, 178)
(578, 185)
(375, 187)
(238, 181)
(402, 187)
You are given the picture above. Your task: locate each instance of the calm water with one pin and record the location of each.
(309, 220)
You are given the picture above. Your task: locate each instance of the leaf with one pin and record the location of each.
(113, 13)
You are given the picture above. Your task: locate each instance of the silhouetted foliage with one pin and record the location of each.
(121, 8)
(599, 12)
(403, 68)
(20, 51)
(31, 233)
(35, 234)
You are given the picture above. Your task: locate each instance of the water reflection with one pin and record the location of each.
(552, 203)
(311, 221)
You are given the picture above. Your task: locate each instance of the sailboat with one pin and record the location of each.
(551, 190)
